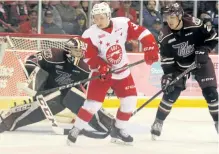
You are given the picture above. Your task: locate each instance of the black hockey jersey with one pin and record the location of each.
(59, 67)
(177, 48)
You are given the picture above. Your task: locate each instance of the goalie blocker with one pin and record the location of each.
(49, 69)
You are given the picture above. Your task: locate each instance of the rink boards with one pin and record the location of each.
(114, 102)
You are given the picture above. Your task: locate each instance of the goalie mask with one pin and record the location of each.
(75, 49)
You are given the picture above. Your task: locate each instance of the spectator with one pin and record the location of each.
(208, 23)
(18, 13)
(66, 11)
(49, 26)
(84, 6)
(80, 25)
(214, 15)
(31, 25)
(126, 11)
(150, 14)
(156, 28)
(3, 17)
(68, 15)
(47, 6)
(188, 6)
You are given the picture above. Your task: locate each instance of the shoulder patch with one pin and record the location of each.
(196, 21)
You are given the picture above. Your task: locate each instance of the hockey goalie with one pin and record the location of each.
(48, 69)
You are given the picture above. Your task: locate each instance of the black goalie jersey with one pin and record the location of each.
(57, 67)
(177, 48)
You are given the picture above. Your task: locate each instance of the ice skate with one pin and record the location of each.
(72, 136)
(119, 136)
(156, 128)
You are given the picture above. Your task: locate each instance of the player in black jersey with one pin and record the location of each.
(48, 69)
(184, 40)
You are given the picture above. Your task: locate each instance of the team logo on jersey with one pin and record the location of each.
(63, 78)
(184, 49)
(114, 54)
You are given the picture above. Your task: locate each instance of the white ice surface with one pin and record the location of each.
(186, 131)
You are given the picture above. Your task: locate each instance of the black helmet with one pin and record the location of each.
(173, 9)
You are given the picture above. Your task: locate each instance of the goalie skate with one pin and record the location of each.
(119, 136)
(156, 129)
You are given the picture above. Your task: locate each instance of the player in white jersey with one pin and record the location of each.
(106, 51)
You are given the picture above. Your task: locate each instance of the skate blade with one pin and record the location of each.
(120, 142)
(70, 143)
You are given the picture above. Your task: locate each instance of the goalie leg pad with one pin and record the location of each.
(102, 121)
(35, 114)
(73, 100)
(6, 121)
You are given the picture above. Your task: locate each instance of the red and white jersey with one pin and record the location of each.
(110, 46)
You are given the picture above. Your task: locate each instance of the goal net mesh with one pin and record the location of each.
(11, 71)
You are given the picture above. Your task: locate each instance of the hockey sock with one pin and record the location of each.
(166, 103)
(211, 96)
(164, 109)
(122, 118)
(84, 116)
(124, 113)
(213, 109)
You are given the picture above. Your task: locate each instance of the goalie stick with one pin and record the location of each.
(62, 131)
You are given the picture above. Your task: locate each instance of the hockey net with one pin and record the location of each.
(11, 71)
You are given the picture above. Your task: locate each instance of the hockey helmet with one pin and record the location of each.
(173, 9)
(101, 8)
(75, 49)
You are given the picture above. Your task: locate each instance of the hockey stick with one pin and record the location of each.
(89, 79)
(62, 131)
(192, 67)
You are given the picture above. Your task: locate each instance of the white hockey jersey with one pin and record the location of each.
(110, 47)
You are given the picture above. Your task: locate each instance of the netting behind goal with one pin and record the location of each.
(11, 71)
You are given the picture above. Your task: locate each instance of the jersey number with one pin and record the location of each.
(134, 26)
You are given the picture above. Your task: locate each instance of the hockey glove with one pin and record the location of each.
(165, 81)
(151, 53)
(104, 72)
(201, 55)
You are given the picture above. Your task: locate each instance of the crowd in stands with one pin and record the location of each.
(71, 17)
